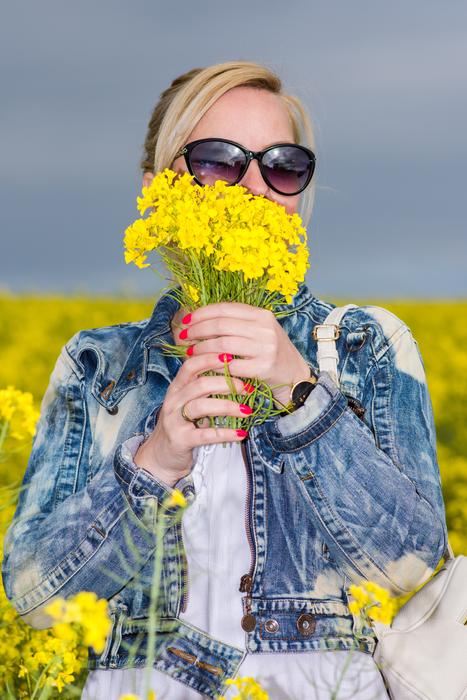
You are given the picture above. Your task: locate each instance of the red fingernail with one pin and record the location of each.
(225, 356)
(190, 350)
(183, 335)
(242, 433)
(245, 409)
(186, 319)
(249, 388)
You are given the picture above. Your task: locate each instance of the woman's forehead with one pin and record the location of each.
(255, 118)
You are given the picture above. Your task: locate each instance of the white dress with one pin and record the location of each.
(218, 555)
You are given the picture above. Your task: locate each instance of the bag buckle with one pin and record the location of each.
(326, 331)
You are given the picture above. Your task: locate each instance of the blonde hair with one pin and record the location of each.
(182, 105)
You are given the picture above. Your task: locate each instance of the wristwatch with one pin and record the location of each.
(301, 391)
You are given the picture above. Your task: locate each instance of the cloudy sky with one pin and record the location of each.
(385, 84)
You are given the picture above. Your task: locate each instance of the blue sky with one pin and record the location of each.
(385, 84)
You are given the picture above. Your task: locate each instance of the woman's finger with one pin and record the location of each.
(201, 407)
(228, 309)
(233, 345)
(209, 436)
(202, 387)
(192, 367)
(250, 368)
(219, 326)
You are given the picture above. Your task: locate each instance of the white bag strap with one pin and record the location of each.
(326, 334)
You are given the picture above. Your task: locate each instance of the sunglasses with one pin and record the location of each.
(286, 168)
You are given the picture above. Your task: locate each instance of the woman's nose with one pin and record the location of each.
(253, 180)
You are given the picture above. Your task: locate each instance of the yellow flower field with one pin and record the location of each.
(33, 330)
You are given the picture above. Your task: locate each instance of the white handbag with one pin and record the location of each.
(422, 655)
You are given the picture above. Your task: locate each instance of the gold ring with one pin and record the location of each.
(186, 416)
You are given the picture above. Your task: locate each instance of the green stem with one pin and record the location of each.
(3, 433)
(334, 693)
(154, 593)
(46, 692)
(152, 617)
(44, 671)
(10, 692)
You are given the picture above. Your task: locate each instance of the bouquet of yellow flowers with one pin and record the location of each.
(220, 243)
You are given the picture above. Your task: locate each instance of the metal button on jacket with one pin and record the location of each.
(271, 626)
(248, 622)
(306, 624)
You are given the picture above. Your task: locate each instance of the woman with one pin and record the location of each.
(282, 521)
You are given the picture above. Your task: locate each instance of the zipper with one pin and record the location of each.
(248, 527)
(185, 578)
(246, 582)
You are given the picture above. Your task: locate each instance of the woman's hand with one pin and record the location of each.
(168, 452)
(265, 350)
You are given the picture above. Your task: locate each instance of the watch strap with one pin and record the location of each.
(309, 384)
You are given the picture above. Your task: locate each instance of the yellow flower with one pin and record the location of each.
(85, 610)
(137, 242)
(17, 413)
(248, 687)
(354, 607)
(380, 595)
(176, 499)
(47, 659)
(193, 292)
(360, 594)
(201, 231)
(384, 613)
(372, 602)
(64, 630)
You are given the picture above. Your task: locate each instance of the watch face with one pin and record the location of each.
(301, 392)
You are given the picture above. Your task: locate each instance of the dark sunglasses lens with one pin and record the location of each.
(288, 168)
(216, 160)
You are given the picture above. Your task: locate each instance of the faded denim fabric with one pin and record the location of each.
(332, 498)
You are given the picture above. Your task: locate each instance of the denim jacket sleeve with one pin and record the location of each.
(373, 484)
(64, 539)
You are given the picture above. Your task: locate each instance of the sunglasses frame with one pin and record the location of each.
(250, 155)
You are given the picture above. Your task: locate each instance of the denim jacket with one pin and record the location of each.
(333, 497)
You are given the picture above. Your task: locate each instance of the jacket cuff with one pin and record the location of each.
(321, 410)
(143, 491)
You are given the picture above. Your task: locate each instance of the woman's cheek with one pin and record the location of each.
(290, 205)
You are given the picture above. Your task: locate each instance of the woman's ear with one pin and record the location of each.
(147, 179)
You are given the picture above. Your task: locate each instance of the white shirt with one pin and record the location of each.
(218, 555)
